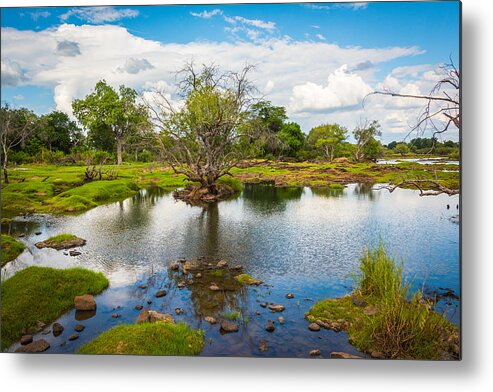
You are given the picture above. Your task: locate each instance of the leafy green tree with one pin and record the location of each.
(292, 138)
(373, 150)
(365, 134)
(58, 132)
(328, 138)
(401, 148)
(115, 111)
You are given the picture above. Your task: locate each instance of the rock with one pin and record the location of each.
(238, 267)
(46, 332)
(257, 313)
(228, 326)
(214, 287)
(289, 296)
(181, 285)
(199, 275)
(85, 302)
(188, 266)
(343, 355)
(370, 310)
(40, 325)
(263, 304)
(358, 301)
(182, 260)
(314, 327)
(160, 293)
(26, 339)
(377, 355)
(149, 302)
(178, 310)
(38, 233)
(160, 317)
(35, 347)
(270, 326)
(143, 286)
(222, 264)
(61, 245)
(276, 308)
(63, 344)
(210, 319)
(263, 346)
(74, 253)
(315, 353)
(57, 329)
(143, 317)
(81, 315)
(281, 320)
(174, 266)
(138, 307)
(115, 315)
(79, 327)
(74, 336)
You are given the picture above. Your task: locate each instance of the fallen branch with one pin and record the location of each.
(423, 189)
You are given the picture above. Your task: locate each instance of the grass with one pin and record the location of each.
(404, 326)
(43, 294)
(58, 239)
(147, 339)
(246, 279)
(62, 190)
(11, 248)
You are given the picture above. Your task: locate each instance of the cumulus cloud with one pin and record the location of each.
(295, 74)
(12, 73)
(99, 15)
(134, 66)
(320, 37)
(67, 48)
(343, 89)
(39, 14)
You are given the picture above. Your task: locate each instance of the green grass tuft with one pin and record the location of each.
(11, 248)
(147, 339)
(246, 279)
(43, 294)
(57, 239)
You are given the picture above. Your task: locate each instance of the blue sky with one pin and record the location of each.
(362, 47)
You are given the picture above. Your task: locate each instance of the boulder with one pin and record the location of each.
(61, 245)
(281, 320)
(160, 317)
(178, 310)
(314, 327)
(181, 285)
(238, 267)
(74, 336)
(160, 293)
(174, 266)
(222, 264)
(343, 355)
(85, 302)
(263, 304)
(290, 296)
(315, 353)
(214, 287)
(26, 339)
(138, 307)
(210, 320)
(263, 346)
(57, 329)
(228, 326)
(270, 326)
(35, 347)
(377, 355)
(276, 308)
(143, 286)
(79, 327)
(143, 317)
(74, 253)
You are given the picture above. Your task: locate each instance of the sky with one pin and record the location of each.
(319, 60)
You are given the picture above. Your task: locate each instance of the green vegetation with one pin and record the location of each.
(234, 315)
(247, 279)
(147, 339)
(11, 248)
(397, 327)
(57, 239)
(43, 294)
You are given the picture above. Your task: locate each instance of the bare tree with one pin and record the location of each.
(440, 112)
(16, 127)
(200, 134)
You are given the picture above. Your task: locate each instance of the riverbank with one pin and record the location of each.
(62, 189)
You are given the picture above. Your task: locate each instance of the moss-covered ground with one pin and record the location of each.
(11, 248)
(147, 339)
(43, 294)
(62, 189)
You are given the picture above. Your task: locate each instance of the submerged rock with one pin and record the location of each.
(289, 296)
(35, 347)
(174, 266)
(314, 327)
(281, 320)
(178, 310)
(210, 319)
(85, 302)
(74, 253)
(228, 326)
(74, 336)
(315, 353)
(276, 308)
(143, 286)
(263, 346)
(160, 293)
(79, 327)
(138, 307)
(270, 326)
(57, 329)
(26, 339)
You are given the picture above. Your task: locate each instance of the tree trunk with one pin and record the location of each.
(119, 151)
(5, 175)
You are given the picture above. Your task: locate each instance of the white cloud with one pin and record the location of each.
(207, 14)
(343, 90)
(320, 37)
(99, 15)
(68, 48)
(294, 74)
(261, 24)
(39, 14)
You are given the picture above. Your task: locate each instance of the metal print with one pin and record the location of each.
(259, 180)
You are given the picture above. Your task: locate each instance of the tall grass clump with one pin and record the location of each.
(403, 327)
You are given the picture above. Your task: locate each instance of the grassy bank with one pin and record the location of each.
(43, 294)
(11, 248)
(147, 339)
(62, 190)
(382, 320)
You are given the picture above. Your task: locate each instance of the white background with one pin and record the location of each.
(473, 373)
